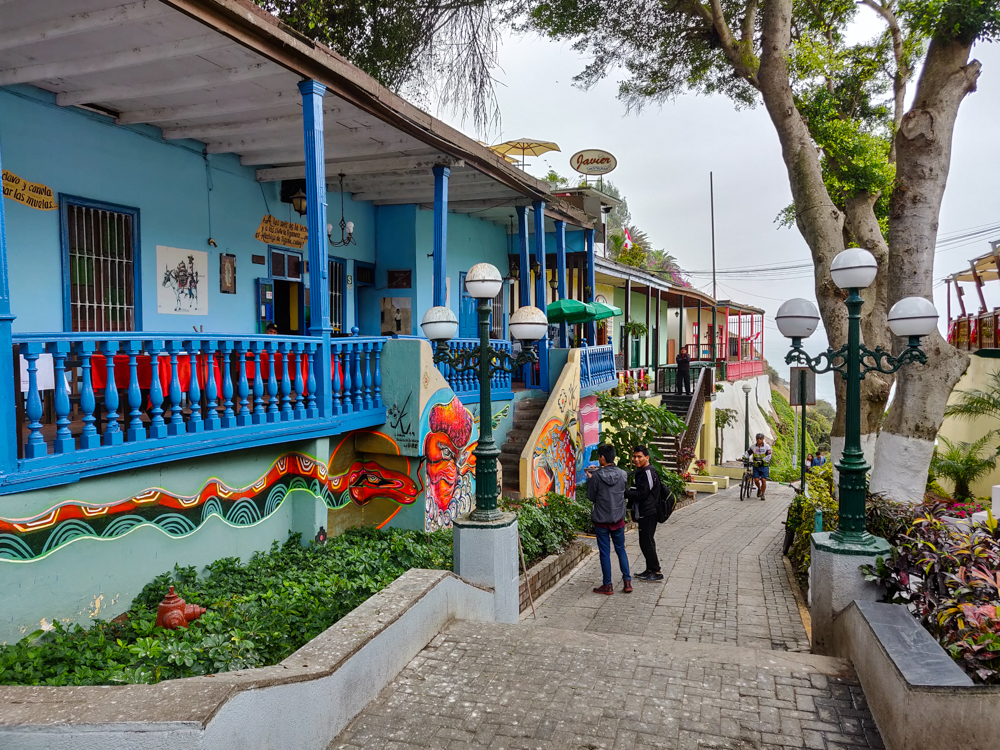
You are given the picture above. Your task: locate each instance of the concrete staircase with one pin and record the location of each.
(526, 414)
(678, 404)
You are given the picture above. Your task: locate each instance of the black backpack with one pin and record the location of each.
(665, 503)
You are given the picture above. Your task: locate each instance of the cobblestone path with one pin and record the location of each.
(711, 658)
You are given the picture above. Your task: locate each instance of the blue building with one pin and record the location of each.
(217, 241)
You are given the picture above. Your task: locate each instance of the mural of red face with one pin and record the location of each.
(448, 451)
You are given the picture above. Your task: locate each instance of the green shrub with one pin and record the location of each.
(782, 468)
(546, 525)
(259, 612)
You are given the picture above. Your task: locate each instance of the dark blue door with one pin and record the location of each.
(466, 312)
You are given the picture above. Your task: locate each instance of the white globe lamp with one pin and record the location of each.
(797, 318)
(528, 324)
(483, 281)
(439, 324)
(855, 268)
(913, 317)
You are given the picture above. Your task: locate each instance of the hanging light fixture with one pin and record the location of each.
(299, 202)
(346, 227)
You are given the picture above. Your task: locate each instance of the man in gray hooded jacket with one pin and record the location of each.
(606, 490)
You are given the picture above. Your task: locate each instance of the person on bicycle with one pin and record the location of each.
(760, 455)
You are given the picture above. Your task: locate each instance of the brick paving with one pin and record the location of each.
(711, 658)
(724, 580)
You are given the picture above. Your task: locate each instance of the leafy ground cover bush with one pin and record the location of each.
(259, 612)
(883, 517)
(782, 467)
(547, 524)
(948, 578)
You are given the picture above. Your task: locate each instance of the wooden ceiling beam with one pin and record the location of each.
(174, 85)
(80, 23)
(113, 60)
(426, 160)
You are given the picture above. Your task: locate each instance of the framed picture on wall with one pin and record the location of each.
(227, 273)
(401, 279)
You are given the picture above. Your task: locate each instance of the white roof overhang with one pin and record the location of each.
(225, 73)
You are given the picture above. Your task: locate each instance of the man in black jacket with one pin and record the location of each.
(683, 362)
(643, 497)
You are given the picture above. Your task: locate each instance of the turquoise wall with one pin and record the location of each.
(85, 154)
(87, 578)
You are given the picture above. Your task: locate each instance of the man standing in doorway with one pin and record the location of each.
(606, 490)
(683, 371)
(644, 497)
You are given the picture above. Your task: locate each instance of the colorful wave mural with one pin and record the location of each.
(343, 481)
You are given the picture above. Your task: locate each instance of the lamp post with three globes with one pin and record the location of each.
(527, 324)
(911, 318)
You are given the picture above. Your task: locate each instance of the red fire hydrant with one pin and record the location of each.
(173, 613)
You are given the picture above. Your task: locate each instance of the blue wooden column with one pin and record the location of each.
(10, 381)
(441, 235)
(525, 272)
(591, 290)
(319, 292)
(540, 296)
(561, 275)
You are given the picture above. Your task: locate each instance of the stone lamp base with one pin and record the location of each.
(835, 582)
(485, 554)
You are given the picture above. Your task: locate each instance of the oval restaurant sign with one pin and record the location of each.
(592, 161)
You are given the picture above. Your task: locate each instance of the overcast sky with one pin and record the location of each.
(665, 155)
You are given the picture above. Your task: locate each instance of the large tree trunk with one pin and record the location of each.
(923, 158)
(820, 222)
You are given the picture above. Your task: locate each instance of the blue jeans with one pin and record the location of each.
(604, 539)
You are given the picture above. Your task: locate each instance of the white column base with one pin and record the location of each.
(485, 554)
(900, 471)
(835, 582)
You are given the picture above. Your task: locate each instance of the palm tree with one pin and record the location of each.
(963, 463)
(979, 403)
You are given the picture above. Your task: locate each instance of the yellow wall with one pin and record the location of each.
(977, 377)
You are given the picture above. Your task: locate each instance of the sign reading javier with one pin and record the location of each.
(593, 161)
(30, 194)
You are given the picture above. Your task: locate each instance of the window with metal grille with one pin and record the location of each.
(101, 265)
(338, 296)
(496, 317)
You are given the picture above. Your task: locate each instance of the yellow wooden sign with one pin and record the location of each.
(30, 194)
(277, 232)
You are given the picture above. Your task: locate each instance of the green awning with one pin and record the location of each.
(603, 311)
(570, 311)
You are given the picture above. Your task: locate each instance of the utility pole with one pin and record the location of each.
(715, 296)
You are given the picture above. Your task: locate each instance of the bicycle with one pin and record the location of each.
(746, 484)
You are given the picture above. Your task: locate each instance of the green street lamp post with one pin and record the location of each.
(910, 318)
(528, 324)
(746, 417)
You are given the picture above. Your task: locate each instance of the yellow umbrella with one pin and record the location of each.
(505, 157)
(525, 147)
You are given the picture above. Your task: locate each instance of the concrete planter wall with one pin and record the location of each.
(920, 698)
(304, 702)
(548, 572)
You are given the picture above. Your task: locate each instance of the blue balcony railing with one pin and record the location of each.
(466, 384)
(597, 367)
(91, 403)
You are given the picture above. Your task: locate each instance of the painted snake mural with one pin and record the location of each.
(177, 515)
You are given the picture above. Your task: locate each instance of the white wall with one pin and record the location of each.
(732, 397)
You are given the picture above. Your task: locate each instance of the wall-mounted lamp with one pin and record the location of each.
(514, 274)
(299, 202)
(588, 291)
(536, 268)
(346, 227)
(553, 282)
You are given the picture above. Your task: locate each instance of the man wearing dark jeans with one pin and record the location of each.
(683, 362)
(606, 490)
(643, 497)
